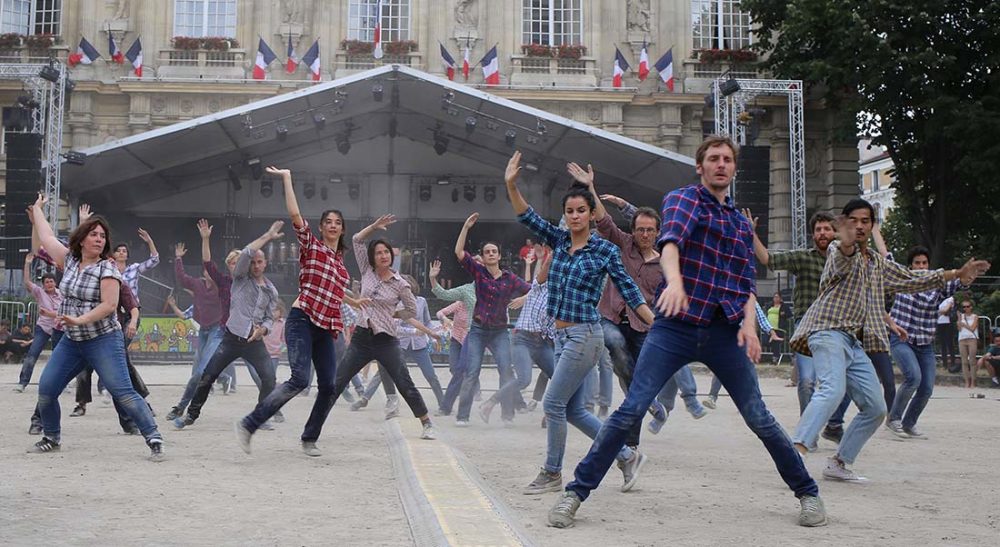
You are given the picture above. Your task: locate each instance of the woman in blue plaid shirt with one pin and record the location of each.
(580, 261)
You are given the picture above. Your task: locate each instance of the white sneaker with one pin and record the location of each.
(429, 433)
(18, 388)
(837, 470)
(461, 423)
(896, 427)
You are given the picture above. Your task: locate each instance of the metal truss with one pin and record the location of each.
(727, 113)
(46, 120)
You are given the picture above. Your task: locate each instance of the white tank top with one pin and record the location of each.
(965, 333)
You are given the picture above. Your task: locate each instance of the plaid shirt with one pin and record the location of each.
(49, 302)
(493, 295)
(464, 301)
(251, 303)
(576, 280)
(534, 315)
(765, 325)
(807, 267)
(348, 315)
(409, 336)
(852, 297)
(131, 274)
(386, 295)
(322, 280)
(716, 250)
(647, 273)
(225, 284)
(917, 313)
(81, 289)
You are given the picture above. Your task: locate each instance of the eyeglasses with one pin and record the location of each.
(967, 307)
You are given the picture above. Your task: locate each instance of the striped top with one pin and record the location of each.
(386, 295)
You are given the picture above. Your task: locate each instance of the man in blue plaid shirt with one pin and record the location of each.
(706, 252)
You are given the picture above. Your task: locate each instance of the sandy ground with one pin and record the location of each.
(709, 482)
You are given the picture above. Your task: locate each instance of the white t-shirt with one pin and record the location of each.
(944, 308)
(963, 332)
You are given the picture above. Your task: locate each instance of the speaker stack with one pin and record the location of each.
(24, 181)
(753, 187)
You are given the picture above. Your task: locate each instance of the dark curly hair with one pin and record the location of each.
(81, 232)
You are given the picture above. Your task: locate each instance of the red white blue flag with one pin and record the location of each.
(86, 54)
(311, 59)
(292, 64)
(621, 65)
(116, 53)
(643, 63)
(491, 67)
(265, 56)
(448, 61)
(665, 66)
(134, 56)
(377, 52)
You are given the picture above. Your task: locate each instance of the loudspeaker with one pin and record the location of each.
(753, 187)
(24, 181)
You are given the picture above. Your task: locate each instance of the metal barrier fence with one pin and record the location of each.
(13, 311)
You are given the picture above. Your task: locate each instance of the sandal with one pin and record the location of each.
(44, 445)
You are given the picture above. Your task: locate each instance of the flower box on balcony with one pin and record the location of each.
(536, 50)
(568, 51)
(207, 43)
(10, 40)
(39, 41)
(726, 56)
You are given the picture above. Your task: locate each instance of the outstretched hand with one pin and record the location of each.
(579, 175)
(471, 221)
(204, 228)
(753, 220)
(435, 269)
(383, 222)
(513, 170)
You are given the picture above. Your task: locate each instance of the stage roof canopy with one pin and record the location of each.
(396, 120)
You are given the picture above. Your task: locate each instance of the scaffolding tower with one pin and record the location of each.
(727, 113)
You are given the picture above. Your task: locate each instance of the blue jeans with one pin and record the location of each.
(713, 391)
(883, 369)
(40, 338)
(528, 348)
(919, 370)
(600, 381)
(670, 345)
(208, 342)
(457, 364)
(807, 380)
(842, 367)
(422, 357)
(308, 346)
(685, 382)
(624, 344)
(497, 340)
(577, 349)
(106, 354)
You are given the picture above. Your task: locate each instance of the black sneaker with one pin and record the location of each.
(155, 450)
(833, 434)
(80, 410)
(174, 413)
(43, 446)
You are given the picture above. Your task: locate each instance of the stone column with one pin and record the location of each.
(80, 122)
(670, 129)
(139, 116)
(780, 211)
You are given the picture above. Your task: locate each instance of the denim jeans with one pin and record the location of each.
(31, 357)
(919, 369)
(886, 377)
(366, 347)
(670, 345)
(457, 364)
(683, 381)
(807, 380)
(479, 338)
(600, 381)
(528, 348)
(309, 346)
(382, 378)
(716, 387)
(624, 343)
(106, 354)
(231, 348)
(208, 341)
(577, 349)
(842, 367)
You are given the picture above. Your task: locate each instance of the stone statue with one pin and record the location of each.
(294, 11)
(638, 15)
(121, 10)
(466, 14)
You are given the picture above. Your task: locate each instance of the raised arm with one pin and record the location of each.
(36, 244)
(625, 208)
(183, 278)
(172, 304)
(879, 240)
(463, 234)
(510, 178)
(381, 223)
(587, 178)
(272, 233)
(542, 271)
(205, 231)
(154, 255)
(47, 237)
(26, 277)
(291, 203)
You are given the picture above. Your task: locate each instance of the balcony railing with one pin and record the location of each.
(346, 63)
(553, 71)
(194, 63)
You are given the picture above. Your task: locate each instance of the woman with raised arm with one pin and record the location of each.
(313, 322)
(580, 261)
(90, 287)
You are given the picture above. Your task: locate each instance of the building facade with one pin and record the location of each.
(875, 168)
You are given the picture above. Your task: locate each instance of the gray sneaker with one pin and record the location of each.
(18, 388)
(812, 512)
(710, 402)
(544, 482)
(914, 433)
(837, 470)
(630, 470)
(309, 448)
(359, 404)
(563, 512)
(429, 434)
(243, 435)
(699, 413)
(896, 427)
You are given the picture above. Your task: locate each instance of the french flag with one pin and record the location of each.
(264, 58)
(465, 62)
(134, 56)
(293, 62)
(377, 52)
(448, 61)
(643, 63)
(86, 53)
(116, 53)
(491, 67)
(665, 66)
(311, 59)
(621, 65)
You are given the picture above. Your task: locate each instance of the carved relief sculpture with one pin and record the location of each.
(466, 14)
(638, 15)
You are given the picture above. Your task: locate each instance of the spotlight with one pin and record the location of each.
(336, 179)
(541, 128)
(309, 190)
(353, 190)
(454, 195)
(319, 120)
(267, 188)
(469, 192)
(343, 144)
(729, 87)
(49, 73)
(281, 130)
(443, 181)
(234, 178)
(533, 167)
(323, 194)
(378, 92)
(256, 169)
(425, 192)
(440, 143)
(447, 99)
(489, 194)
(75, 158)
(470, 125)
(510, 137)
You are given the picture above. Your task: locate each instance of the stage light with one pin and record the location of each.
(49, 73)
(309, 190)
(729, 87)
(470, 125)
(443, 181)
(378, 92)
(281, 131)
(440, 144)
(256, 169)
(454, 195)
(489, 194)
(510, 137)
(319, 120)
(234, 178)
(533, 167)
(343, 144)
(353, 190)
(541, 128)
(75, 158)
(469, 192)
(425, 192)
(336, 179)
(267, 188)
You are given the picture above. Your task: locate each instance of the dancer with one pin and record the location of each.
(48, 298)
(463, 302)
(576, 278)
(90, 288)
(705, 252)
(385, 296)
(313, 324)
(495, 288)
(851, 299)
(916, 315)
(251, 314)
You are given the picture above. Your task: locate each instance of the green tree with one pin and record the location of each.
(920, 77)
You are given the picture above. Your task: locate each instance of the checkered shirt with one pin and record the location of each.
(917, 313)
(348, 315)
(251, 303)
(81, 289)
(576, 280)
(716, 252)
(322, 280)
(386, 295)
(131, 274)
(765, 325)
(534, 314)
(852, 297)
(225, 284)
(807, 267)
(493, 295)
